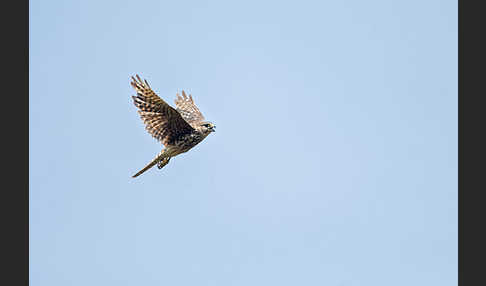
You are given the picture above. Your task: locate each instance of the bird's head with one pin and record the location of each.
(207, 127)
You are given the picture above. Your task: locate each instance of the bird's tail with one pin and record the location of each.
(157, 159)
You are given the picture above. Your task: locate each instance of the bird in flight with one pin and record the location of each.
(177, 129)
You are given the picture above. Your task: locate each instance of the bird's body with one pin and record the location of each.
(187, 142)
(178, 129)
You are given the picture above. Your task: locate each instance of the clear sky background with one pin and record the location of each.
(334, 160)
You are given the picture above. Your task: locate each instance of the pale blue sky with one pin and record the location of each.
(334, 160)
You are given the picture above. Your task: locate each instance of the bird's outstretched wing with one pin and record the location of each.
(188, 109)
(161, 120)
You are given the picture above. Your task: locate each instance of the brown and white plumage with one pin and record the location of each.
(161, 120)
(177, 129)
(187, 108)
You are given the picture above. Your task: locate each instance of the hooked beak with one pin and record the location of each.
(213, 128)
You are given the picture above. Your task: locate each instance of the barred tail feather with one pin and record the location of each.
(157, 159)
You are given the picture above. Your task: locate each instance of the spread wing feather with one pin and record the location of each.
(161, 120)
(187, 108)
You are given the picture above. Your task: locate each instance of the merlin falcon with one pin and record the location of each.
(177, 129)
